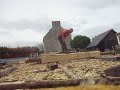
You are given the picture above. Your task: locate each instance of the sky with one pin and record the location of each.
(26, 22)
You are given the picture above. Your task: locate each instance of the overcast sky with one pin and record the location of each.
(25, 22)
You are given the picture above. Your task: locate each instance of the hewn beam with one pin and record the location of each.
(45, 58)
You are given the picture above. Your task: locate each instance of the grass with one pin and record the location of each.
(95, 87)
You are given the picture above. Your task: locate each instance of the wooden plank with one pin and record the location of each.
(45, 58)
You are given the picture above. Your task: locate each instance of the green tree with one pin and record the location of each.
(80, 42)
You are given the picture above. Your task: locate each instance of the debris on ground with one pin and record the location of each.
(84, 68)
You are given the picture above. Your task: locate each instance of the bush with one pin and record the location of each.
(80, 42)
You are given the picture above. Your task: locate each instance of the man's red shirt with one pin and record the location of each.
(64, 33)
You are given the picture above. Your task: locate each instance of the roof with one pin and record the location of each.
(99, 38)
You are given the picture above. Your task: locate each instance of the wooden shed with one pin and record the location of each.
(104, 41)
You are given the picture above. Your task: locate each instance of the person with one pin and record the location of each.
(62, 36)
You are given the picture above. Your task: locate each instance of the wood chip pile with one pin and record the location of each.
(84, 68)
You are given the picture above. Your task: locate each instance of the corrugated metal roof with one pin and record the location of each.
(99, 38)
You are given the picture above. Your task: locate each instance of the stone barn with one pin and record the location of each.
(104, 41)
(50, 40)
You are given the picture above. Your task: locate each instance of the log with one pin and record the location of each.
(108, 80)
(54, 83)
(114, 78)
(7, 71)
(38, 84)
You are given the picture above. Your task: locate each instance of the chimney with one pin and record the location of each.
(56, 24)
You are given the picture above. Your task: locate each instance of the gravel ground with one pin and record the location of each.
(85, 68)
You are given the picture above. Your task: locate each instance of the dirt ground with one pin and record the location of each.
(84, 68)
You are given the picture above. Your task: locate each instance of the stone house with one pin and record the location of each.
(50, 40)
